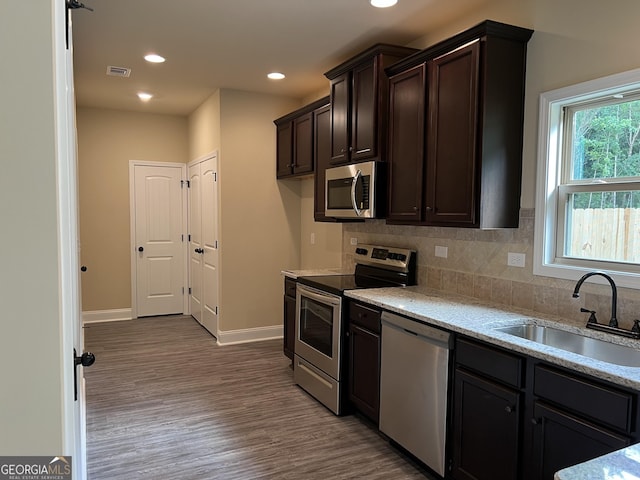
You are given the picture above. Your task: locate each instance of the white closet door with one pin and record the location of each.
(209, 181)
(195, 242)
(158, 235)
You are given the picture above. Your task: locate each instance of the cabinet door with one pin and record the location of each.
(406, 145)
(561, 440)
(303, 144)
(451, 138)
(289, 325)
(486, 424)
(322, 154)
(340, 120)
(364, 371)
(364, 103)
(284, 151)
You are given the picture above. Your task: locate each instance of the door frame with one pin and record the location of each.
(132, 231)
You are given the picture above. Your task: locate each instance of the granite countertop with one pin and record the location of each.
(620, 465)
(315, 272)
(478, 319)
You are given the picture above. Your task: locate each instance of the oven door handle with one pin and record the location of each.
(319, 297)
(354, 184)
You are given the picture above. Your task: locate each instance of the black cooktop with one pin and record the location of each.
(376, 266)
(364, 277)
(335, 284)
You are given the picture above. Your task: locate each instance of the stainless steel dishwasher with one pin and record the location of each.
(413, 387)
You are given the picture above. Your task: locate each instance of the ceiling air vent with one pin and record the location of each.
(118, 71)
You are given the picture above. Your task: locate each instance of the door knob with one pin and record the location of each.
(86, 360)
(83, 268)
(141, 249)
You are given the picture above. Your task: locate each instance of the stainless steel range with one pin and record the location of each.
(320, 328)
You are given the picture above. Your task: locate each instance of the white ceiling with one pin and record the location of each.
(211, 44)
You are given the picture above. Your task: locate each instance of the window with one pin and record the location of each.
(588, 193)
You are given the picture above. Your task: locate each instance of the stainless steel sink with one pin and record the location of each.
(576, 343)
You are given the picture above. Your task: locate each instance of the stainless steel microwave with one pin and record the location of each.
(355, 191)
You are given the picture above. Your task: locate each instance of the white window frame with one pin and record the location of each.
(549, 205)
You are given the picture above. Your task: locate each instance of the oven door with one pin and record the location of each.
(318, 327)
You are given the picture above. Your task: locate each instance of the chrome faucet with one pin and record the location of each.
(614, 294)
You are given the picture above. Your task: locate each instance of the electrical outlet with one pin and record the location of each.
(516, 259)
(442, 252)
(313, 238)
(354, 241)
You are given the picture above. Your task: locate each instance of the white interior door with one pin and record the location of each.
(195, 242)
(70, 298)
(209, 179)
(158, 239)
(203, 241)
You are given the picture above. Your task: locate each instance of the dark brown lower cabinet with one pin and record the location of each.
(517, 417)
(289, 327)
(486, 426)
(364, 359)
(561, 440)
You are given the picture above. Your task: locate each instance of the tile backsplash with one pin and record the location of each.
(476, 266)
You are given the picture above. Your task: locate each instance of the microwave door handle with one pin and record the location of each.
(354, 183)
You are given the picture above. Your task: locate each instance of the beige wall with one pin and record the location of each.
(326, 251)
(31, 361)
(574, 41)
(259, 216)
(107, 141)
(204, 127)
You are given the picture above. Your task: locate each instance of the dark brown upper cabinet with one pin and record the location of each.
(407, 95)
(456, 114)
(359, 96)
(295, 141)
(322, 154)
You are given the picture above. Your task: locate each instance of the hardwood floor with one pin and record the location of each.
(165, 402)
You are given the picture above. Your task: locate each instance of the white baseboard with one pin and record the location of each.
(115, 315)
(231, 337)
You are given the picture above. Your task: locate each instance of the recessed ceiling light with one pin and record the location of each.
(275, 75)
(383, 3)
(154, 58)
(145, 97)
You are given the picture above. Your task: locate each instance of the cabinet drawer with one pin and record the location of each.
(606, 405)
(365, 316)
(489, 361)
(289, 287)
